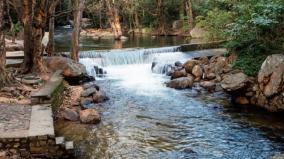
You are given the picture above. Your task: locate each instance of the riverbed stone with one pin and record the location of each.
(91, 84)
(178, 74)
(180, 83)
(271, 75)
(88, 92)
(197, 72)
(234, 82)
(89, 116)
(241, 100)
(70, 114)
(85, 102)
(188, 65)
(209, 85)
(99, 96)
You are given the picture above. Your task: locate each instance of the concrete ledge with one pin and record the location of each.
(201, 46)
(41, 122)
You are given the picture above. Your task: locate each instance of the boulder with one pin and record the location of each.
(89, 116)
(241, 100)
(70, 68)
(209, 85)
(178, 64)
(100, 96)
(197, 71)
(203, 60)
(189, 65)
(70, 114)
(211, 76)
(91, 84)
(180, 83)
(271, 75)
(88, 92)
(178, 74)
(234, 82)
(86, 102)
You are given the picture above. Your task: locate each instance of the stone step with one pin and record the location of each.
(15, 55)
(45, 93)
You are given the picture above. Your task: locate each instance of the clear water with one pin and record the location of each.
(145, 119)
(63, 41)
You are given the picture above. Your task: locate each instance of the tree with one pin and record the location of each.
(3, 74)
(51, 13)
(114, 19)
(188, 9)
(78, 12)
(161, 17)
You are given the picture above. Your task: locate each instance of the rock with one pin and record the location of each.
(189, 65)
(88, 92)
(91, 84)
(211, 76)
(197, 71)
(178, 74)
(71, 70)
(178, 64)
(209, 85)
(99, 96)
(180, 83)
(153, 65)
(203, 60)
(234, 82)
(86, 101)
(242, 100)
(70, 114)
(168, 70)
(89, 116)
(271, 75)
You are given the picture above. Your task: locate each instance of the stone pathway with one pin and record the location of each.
(14, 118)
(18, 121)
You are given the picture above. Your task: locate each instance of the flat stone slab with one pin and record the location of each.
(47, 90)
(41, 123)
(13, 62)
(15, 55)
(18, 121)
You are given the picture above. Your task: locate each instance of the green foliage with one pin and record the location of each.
(216, 23)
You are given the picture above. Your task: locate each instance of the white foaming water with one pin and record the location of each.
(132, 68)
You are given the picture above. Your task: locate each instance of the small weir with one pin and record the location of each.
(145, 119)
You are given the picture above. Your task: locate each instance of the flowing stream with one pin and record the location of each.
(145, 119)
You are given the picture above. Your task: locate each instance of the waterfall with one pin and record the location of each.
(126, 56)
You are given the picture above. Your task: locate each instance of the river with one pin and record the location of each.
(145, 119)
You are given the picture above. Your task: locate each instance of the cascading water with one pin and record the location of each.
(161, 56)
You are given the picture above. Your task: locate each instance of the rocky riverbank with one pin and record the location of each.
(216, 74)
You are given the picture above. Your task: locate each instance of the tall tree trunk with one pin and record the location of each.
(161, 18)
(3, 74)
(114, 19)
(79, 7)
(38, 33)
(189, 14)
(51, 13)
(27, 18)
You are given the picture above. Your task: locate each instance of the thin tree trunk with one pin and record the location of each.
(79, 7)
(188, 9)
(114, 19)
(3, 74)
(50, 45)
(12, 27)
(161, 18)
